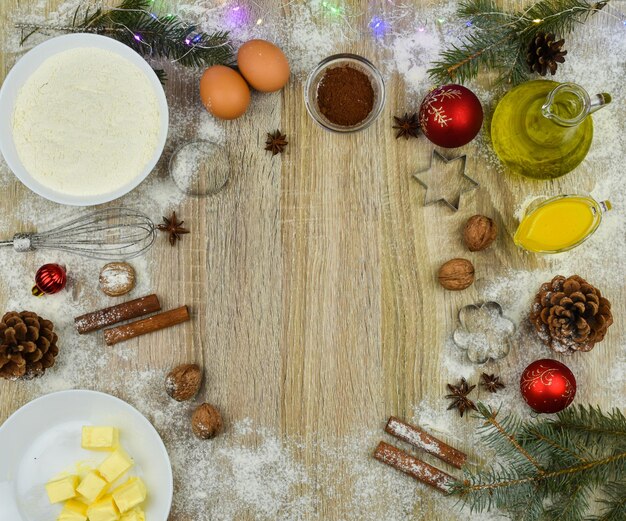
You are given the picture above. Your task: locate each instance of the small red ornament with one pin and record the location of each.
(451, 116)
(548, 386)
(50, 279)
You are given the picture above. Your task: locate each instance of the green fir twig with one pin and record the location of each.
(563, 481)
(614, 509)
(498, 40)
(491, 422)
(150, 34)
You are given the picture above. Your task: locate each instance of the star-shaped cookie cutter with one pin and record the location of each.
(455, 203)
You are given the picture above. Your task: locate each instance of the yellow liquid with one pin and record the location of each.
(558, 225)
(529, 143)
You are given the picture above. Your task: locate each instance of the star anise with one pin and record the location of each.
(276, 142)
(491, 382)
(174, 227)
(458, 394)
(407, 125)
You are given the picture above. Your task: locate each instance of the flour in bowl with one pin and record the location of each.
(86, 122)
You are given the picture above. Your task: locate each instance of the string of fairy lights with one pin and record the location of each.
(381, 21)
(240, 14)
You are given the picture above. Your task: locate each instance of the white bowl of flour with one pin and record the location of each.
(83, 119)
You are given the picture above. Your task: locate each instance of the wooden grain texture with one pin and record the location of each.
(315, 274)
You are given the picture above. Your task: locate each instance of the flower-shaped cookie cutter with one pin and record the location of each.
(485, 333)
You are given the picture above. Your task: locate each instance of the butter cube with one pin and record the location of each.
(92, 486)
(100, 438)
(103, 510)
(130, 494)
(62, 489)
(73, 511)
(136, 514)
(115, 465)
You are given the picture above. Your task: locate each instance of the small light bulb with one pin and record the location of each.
(259, 21)
(537, 20)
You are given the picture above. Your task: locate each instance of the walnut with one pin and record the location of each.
(206, 422)
(456, 274)
(479, 233)
(183, 382)
(117, 278)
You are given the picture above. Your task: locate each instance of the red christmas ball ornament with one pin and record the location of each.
(548, 386)
(451, 116)
(49, 279)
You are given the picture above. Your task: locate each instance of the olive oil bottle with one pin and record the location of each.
(542, 129)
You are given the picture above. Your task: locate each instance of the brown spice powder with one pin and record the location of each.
(345, 96)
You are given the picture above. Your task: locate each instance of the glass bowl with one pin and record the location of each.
(339, 60)
(200, 167)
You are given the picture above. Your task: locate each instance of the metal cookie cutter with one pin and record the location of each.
(484, 332)
(439, 186)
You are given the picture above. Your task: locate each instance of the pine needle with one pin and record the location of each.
(498, 40)
(613, 509)
(151, 35)
(545, 473)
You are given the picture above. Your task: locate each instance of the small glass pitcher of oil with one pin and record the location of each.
(542, 129)
(558, 224)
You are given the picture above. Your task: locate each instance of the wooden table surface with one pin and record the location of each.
(312, 279)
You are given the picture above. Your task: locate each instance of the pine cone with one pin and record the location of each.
(28, 345)
(570, 314)
(544, 53)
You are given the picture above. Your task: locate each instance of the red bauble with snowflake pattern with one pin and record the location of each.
(548, 386)
(451, 116)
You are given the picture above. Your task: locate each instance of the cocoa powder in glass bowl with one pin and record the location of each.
(344, 93)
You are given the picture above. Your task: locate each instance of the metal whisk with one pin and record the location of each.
(106, 234)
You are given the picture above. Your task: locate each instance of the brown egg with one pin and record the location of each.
(263, 65)
(224, 92)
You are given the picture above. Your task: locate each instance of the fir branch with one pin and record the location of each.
(575, 469)
(592, 421)
(161, 75)
(552, 443)
(614, 509)
(544, 474)
(151, 35)
(570, 505)
(489, 416)
(499, 40)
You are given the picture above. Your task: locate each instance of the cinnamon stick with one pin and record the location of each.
(118, 334)
(428, 443)
(414, 467)
(114, 314)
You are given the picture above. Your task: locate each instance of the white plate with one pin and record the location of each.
(22, 70)
(42, 439)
